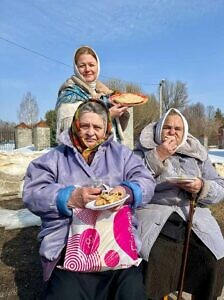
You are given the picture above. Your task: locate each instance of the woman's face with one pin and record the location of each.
(173, 127)
(92, 128)
(88, 67)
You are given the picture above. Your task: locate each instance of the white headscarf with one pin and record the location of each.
(159, 127)
(92, 84)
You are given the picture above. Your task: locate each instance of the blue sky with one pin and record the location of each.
(140, 41)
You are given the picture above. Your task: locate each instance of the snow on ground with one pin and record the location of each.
(216, 159)
(11, 148)
(11, 219)
(216, 155)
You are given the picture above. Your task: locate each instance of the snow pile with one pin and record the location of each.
(12, 219)
(13, 166)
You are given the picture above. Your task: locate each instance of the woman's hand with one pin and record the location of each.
(117, 110)
(118, 189)
(193, 187)
(81, 196)
(167, 148)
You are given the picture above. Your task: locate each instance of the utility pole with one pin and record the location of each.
(161, 98)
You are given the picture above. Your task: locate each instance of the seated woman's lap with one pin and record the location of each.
(109, 285)
(162, 272)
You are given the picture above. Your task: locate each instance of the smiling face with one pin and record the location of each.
(92, 128)
(173, 127)
(87, 67)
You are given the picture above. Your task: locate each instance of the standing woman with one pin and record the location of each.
(84, 85)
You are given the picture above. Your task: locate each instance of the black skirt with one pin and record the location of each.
(204, 275)
(123, 284)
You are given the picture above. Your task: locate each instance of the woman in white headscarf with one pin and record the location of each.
(170, 152)
(84, 85)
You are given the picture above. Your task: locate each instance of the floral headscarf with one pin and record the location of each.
(88, 153)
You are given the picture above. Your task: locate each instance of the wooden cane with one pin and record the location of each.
(186, 246)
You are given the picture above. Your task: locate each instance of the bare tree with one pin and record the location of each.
(210, 112)
(115, 85)
(214, 122)
(202, 122)
(132, 88)
(122, 86)
(28, 111)
(195, 114)
(174, 95)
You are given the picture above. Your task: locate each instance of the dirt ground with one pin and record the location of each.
(20, 269)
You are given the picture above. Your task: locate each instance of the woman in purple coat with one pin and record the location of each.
(63, 179)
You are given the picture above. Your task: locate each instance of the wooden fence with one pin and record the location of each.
(7, 139)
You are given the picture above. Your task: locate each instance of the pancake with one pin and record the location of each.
(129, 99)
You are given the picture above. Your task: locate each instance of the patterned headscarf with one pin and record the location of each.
(88, 153)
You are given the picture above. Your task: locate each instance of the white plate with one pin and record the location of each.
(180, 179)
(91, 205)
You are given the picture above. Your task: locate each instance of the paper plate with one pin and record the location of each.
(91, 205)
(129, 99)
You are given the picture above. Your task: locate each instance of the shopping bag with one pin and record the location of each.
(100, 241)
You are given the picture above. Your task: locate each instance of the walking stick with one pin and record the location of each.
(186, 245)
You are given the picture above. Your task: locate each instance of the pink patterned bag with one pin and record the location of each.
(100, 240)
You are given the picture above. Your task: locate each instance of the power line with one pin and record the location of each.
(34, 52)
(59, 62)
